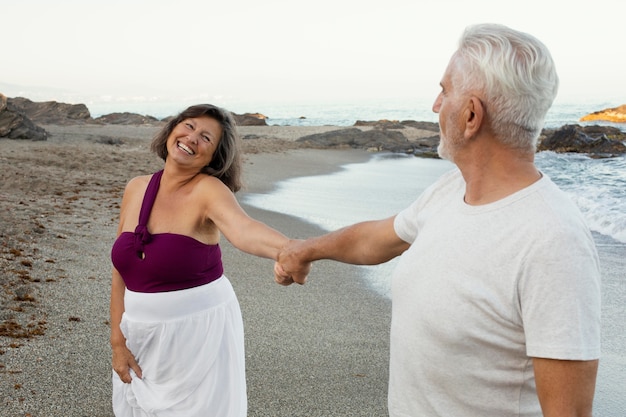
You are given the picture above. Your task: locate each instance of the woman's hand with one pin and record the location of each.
(280, 276)
(289, 267)
(123, 362)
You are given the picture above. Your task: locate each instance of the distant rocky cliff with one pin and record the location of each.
(20, 117)
(614, 115)
(14, 124)
(51, 112)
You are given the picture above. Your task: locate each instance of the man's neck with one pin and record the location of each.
(495, 172)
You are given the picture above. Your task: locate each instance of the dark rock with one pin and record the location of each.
(51, 112)
(250, 119)
(426, 147)
(380, 124)
(422, 147)
(126, 118)
(14, 124)
(394, 124)
(107, 140)
(433, 127)
(388, 140)
(597, 141)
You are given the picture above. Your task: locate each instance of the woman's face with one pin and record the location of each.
(193, 141)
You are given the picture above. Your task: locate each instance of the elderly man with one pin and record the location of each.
(496, 296)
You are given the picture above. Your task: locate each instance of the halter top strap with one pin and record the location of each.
(142, 236)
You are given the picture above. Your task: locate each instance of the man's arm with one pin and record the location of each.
(565, 388)
(366, 243)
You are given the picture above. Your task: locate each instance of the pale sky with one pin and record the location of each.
(289, 50)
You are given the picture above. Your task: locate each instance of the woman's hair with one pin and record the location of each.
(226, 162)
(517, 76)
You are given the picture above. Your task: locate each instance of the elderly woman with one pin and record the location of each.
(176, 327)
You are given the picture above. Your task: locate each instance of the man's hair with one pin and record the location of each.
(517, 77)
(226, 162)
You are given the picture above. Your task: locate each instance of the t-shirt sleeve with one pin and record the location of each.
(560, 298)
(407, 222)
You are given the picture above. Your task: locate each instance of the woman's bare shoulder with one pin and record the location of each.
(212, 191)
(209, 182)
(138, 182)
(136, 186)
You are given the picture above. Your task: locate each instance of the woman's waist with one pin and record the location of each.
(169, 305)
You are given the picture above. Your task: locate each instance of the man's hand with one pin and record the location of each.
(289, 268)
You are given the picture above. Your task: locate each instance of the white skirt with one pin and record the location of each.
(190, 347)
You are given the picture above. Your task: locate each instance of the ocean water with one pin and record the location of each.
(597, 186)
(346, 114)
(376, 189)
(388, 183)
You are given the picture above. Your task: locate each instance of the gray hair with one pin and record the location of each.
(517, 76)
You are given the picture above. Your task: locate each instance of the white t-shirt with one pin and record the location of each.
(481, 291)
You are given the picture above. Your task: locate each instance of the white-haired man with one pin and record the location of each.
(496, 296)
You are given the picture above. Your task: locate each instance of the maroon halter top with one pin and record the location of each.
(163, 261)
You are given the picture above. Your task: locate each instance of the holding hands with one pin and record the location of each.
(365, 243)
(290, 266)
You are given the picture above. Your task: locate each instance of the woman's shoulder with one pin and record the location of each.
(139, 181)
(212, 192)
(209, 182)
(137, 185)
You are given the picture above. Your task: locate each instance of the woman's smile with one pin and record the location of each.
(185, 148)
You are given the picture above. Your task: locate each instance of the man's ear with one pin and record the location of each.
(474, 114)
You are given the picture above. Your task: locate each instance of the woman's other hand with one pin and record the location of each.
(123, 362)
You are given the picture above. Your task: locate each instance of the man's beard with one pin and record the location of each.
(449, 145)
(442, 150)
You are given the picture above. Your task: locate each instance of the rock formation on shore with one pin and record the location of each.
(51, 112)
(596, 141)
(384, 136)
(126, 118)
(614, 115)
(15, 125)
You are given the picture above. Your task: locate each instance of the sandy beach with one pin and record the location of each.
(314, 350)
